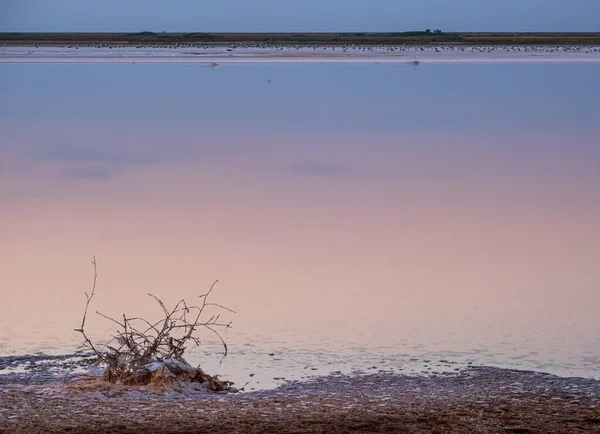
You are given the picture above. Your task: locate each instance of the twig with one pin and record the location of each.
(160, 340)
(87, 304)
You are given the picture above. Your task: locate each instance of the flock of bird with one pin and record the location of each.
(356, 47)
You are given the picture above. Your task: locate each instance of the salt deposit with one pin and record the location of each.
(214, 55)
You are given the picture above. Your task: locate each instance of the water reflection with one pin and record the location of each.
(356, 216)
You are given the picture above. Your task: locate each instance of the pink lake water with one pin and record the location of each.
(357, 216)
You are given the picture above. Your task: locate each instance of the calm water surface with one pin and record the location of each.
(356, 216)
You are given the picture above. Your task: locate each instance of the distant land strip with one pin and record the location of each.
(428, 37)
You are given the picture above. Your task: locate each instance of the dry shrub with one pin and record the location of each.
(145, 353)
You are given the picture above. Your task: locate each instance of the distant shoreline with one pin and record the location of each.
(431, 37)
(216, 55)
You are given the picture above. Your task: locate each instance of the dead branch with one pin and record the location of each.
(81, 329)
(139, 343)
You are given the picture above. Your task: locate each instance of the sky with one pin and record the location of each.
(298, 16)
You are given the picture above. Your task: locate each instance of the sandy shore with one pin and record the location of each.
(475, 400)
(214, 55)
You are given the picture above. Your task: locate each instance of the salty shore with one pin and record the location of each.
(213, 55)
(479, 399)
(414, 37)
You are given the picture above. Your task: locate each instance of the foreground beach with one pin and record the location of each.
(479, 399)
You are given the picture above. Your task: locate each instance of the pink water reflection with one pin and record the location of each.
(449, 242)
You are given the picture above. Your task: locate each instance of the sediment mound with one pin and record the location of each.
(168, 376)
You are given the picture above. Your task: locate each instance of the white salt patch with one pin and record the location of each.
(211, 56)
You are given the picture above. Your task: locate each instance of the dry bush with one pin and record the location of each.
(151, 352)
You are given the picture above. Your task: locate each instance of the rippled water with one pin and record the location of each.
(357, 216)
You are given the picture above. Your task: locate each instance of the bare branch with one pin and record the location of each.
(81, 329)
(222, 307)
(89, 297)
(138, 342)
(110, 319)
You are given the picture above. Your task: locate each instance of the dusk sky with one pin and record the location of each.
(296, 16)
